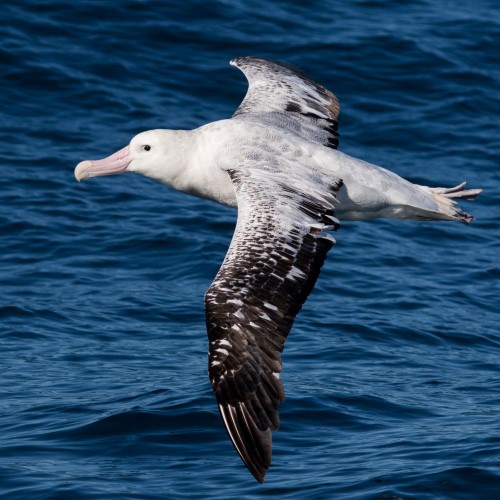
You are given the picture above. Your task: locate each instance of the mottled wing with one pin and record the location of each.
(272, 264)
(280, 96)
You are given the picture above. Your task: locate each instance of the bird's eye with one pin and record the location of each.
(147, 147)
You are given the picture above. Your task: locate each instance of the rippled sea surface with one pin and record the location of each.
(392, 370)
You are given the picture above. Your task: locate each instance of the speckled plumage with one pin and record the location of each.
(272, 264)
(281, 95)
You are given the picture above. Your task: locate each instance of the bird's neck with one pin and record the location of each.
(178, 160)
(188, 165)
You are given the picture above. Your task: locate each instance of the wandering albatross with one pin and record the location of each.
(276, 160)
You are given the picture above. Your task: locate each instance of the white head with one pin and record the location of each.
(172, 157)
(147, 154)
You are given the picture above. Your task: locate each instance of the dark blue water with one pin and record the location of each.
(392, 370)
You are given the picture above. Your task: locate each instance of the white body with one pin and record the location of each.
(195, 162)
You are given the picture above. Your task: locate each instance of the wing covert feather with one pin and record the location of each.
(283, 97)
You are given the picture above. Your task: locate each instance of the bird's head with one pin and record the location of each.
(145, 155)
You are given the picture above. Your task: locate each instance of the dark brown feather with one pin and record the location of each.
(271, 267)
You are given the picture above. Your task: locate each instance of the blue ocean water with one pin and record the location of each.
(392, 369)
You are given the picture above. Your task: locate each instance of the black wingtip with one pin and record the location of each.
(260, 477)
(254, 446)
(257, 473)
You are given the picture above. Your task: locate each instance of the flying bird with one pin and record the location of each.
(276, 161)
